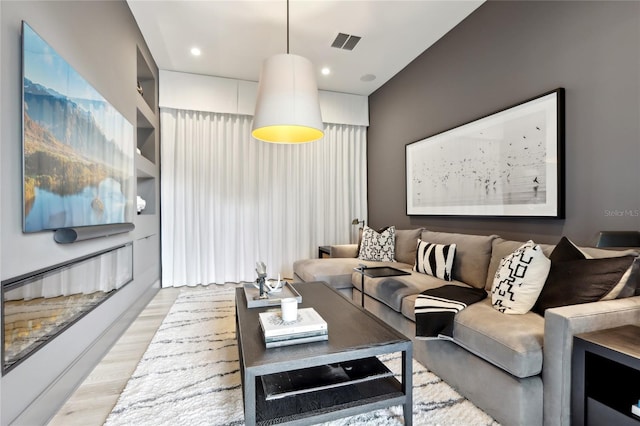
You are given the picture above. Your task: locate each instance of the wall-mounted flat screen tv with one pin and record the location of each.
(78, 150)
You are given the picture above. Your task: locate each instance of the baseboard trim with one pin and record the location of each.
(47, 404)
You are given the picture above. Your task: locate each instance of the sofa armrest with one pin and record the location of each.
(343, 250)
(560, 325)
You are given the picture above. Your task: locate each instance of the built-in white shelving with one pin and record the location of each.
(147, 161)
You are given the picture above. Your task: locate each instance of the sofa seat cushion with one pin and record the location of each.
(391, 290)
(511, 342)
(334, 271)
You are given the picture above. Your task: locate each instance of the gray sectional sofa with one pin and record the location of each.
(517, 368)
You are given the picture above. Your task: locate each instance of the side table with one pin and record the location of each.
(605, 377)
(324, 251)
(376, 272)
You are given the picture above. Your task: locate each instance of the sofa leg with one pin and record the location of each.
(357, 297)
(346, 292)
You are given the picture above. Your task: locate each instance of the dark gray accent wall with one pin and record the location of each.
(504, 53)
(99, 39)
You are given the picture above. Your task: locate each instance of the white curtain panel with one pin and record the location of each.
(228, 200)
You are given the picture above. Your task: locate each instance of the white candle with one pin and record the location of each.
(289, 307)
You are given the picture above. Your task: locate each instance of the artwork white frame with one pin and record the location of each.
(507, 164)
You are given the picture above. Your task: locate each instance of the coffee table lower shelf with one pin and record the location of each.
(359, 397)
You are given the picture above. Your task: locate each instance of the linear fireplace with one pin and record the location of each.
(39, 306)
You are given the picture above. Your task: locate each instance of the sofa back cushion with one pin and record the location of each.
(406, 244)
(473, 253)
(598, 253)
(503, 248)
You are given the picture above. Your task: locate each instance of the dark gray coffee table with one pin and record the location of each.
(354, 334)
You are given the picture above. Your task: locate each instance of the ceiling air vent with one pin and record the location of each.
(345, 41)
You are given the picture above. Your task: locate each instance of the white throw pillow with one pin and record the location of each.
(378, 246)
(519, 279)
(435, 259)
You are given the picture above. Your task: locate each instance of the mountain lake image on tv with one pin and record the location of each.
(78, 150)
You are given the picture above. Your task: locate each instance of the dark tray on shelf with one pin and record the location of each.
(252, 292)
(315, 403)
(295, 382)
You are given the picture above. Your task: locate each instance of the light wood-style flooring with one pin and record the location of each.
(95, 398)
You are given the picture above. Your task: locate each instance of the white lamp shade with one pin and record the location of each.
(287, 107)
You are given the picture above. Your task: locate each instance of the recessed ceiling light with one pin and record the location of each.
(368, 77)
(195, 51)
(325, 71)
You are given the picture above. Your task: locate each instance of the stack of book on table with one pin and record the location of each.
(310, 327)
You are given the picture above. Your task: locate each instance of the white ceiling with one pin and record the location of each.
(235, 36)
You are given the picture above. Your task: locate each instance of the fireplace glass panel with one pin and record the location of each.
(39, 307)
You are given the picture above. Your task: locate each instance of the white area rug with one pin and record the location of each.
(189, 375)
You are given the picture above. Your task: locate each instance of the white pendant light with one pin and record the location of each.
(287, 107)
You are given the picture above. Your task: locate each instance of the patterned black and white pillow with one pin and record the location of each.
(378, 246)
(519, 279)
(435, 259)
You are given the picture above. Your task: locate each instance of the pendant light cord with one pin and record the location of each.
(287, 26)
